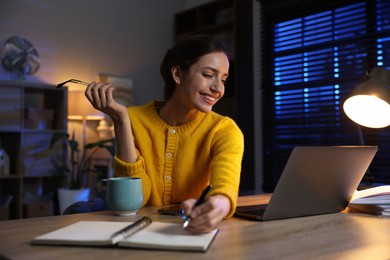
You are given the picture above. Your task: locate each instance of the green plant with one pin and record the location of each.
(78, 166)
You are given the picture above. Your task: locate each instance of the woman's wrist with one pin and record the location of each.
(224, 204)
(120, 118)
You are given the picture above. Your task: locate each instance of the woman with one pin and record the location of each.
(178, 146)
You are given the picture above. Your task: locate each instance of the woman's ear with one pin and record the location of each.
(176, 74)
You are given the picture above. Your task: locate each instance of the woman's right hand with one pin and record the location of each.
(101, 97)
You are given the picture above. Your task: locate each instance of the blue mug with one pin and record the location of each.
(124, 195)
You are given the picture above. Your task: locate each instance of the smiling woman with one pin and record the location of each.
(179, 146)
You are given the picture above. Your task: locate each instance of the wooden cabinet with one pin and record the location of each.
(29, 115)
(232, 22)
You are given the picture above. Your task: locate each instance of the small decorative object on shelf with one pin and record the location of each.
(39, 119)
(104, 129)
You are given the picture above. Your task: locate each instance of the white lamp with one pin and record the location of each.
(369, 103)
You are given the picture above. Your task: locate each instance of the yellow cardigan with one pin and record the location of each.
(178, 162)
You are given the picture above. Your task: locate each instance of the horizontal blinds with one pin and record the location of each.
(317, 58)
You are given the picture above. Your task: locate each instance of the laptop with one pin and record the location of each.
(316, 180)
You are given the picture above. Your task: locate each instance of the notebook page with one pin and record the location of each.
(82, 233)
(169, 236)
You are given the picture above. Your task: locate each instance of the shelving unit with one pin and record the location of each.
(211, 18)
(29, 115)
(232, 22)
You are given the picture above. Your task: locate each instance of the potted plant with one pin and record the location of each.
(78, 167)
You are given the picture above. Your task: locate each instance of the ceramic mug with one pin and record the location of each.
(123, 195)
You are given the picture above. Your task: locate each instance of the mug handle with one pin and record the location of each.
(102, 186)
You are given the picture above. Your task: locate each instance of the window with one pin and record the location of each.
(316, 52)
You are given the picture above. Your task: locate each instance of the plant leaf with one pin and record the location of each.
(56, 137)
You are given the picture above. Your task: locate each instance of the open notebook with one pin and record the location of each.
(315, 180)
(156, 235)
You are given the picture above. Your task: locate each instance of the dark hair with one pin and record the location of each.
(184, 54)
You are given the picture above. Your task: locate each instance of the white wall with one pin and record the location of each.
(82, 38)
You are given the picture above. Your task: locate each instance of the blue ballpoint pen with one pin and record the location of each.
(201, 199)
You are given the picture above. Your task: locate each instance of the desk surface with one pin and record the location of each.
(331, 236)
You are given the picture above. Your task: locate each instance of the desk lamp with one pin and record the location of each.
(369, 103)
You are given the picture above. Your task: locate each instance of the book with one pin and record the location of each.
(374, 200)
(154, 235)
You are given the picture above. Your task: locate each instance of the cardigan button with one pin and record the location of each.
(169, 154)
(172, 131)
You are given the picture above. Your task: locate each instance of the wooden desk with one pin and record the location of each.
(332, 236)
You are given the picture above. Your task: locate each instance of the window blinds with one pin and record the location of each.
(313, 55)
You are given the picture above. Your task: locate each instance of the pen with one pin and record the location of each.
(131, 229)
(201, 199)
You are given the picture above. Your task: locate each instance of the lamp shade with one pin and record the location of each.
(80, 108)
(369, 103)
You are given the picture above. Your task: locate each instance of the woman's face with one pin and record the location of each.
(204, 83)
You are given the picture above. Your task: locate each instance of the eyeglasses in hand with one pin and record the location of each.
(73, 81)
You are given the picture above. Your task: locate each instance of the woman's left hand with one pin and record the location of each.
(206, 216)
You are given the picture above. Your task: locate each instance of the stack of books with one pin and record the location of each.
(374, 201)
